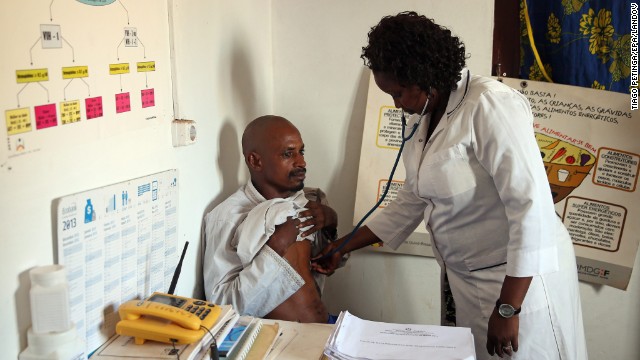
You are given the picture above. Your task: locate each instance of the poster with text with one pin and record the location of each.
(381, 140)
(75, 72)
(589, 144)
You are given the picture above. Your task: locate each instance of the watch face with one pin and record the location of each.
(506, 310)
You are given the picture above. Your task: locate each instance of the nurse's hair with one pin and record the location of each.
(416, 51)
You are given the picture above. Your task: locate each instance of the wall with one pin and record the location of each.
(224, 78)
(223, 81)
(320, 84)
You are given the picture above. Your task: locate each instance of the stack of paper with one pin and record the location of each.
(354, 338)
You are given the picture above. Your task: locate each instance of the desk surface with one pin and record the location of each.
(300, 341)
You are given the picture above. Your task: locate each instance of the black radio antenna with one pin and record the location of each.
(176, 274)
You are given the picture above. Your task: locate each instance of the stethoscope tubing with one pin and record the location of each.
(386, 190)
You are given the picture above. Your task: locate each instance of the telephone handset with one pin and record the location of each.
(166, 318)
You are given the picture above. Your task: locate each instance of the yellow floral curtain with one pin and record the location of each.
(578, 42)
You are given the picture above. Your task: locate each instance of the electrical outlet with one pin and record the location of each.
(183, 132)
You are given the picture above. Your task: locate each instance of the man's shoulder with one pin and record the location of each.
(236, 204)
(313, 194)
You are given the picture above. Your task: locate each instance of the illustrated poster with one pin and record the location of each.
(381, 140)
(589, 144)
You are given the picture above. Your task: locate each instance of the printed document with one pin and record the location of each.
(354, 338)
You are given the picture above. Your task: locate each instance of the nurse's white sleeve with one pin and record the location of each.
(505, 145)
(400, 218)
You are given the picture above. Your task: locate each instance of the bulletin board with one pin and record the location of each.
(76, 71)
(117, 243)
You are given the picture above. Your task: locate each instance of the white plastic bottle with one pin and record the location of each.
(52, 335)
(50, 309)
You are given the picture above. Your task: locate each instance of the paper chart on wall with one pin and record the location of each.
(79, 71)
(117, 243)
(589, 144)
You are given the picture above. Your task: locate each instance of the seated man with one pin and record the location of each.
(259, 241)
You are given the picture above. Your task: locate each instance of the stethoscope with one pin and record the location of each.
(403, 120)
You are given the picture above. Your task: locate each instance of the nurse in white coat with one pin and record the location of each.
(475, 175)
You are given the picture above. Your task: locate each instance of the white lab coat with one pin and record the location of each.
(480, 185)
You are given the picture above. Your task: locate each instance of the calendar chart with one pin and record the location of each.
(117, 243)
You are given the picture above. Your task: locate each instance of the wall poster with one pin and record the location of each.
(589, 144)
(117, 243)
(381, 140)
(78, 71)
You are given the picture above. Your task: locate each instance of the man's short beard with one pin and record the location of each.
(299, 187)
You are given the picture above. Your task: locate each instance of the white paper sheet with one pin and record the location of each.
(363, 339)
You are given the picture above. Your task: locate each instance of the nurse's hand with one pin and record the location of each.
(317, 216)
(324, 264)
(502, 336)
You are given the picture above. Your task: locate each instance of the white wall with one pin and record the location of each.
(320, 84)
(224, 75)
(224, 78)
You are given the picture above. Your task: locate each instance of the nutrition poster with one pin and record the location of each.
(117, 243)
(589, 144)
(588, 141)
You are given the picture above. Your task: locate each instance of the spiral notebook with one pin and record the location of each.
(242, 344)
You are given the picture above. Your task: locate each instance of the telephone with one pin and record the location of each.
(166, 318)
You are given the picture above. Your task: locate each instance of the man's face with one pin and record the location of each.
(283, 165)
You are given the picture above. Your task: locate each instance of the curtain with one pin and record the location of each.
(579, 42)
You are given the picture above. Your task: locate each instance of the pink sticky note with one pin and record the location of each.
(46, 116)
(148, 98)
(93, 107)
(123, 102)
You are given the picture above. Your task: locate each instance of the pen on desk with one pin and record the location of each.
(275, 343)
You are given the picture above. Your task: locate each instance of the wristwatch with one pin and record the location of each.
(505, 310)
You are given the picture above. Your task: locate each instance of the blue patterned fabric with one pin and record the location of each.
(580, 42)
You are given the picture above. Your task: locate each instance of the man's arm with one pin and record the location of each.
(260, 286)
(305, 305)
